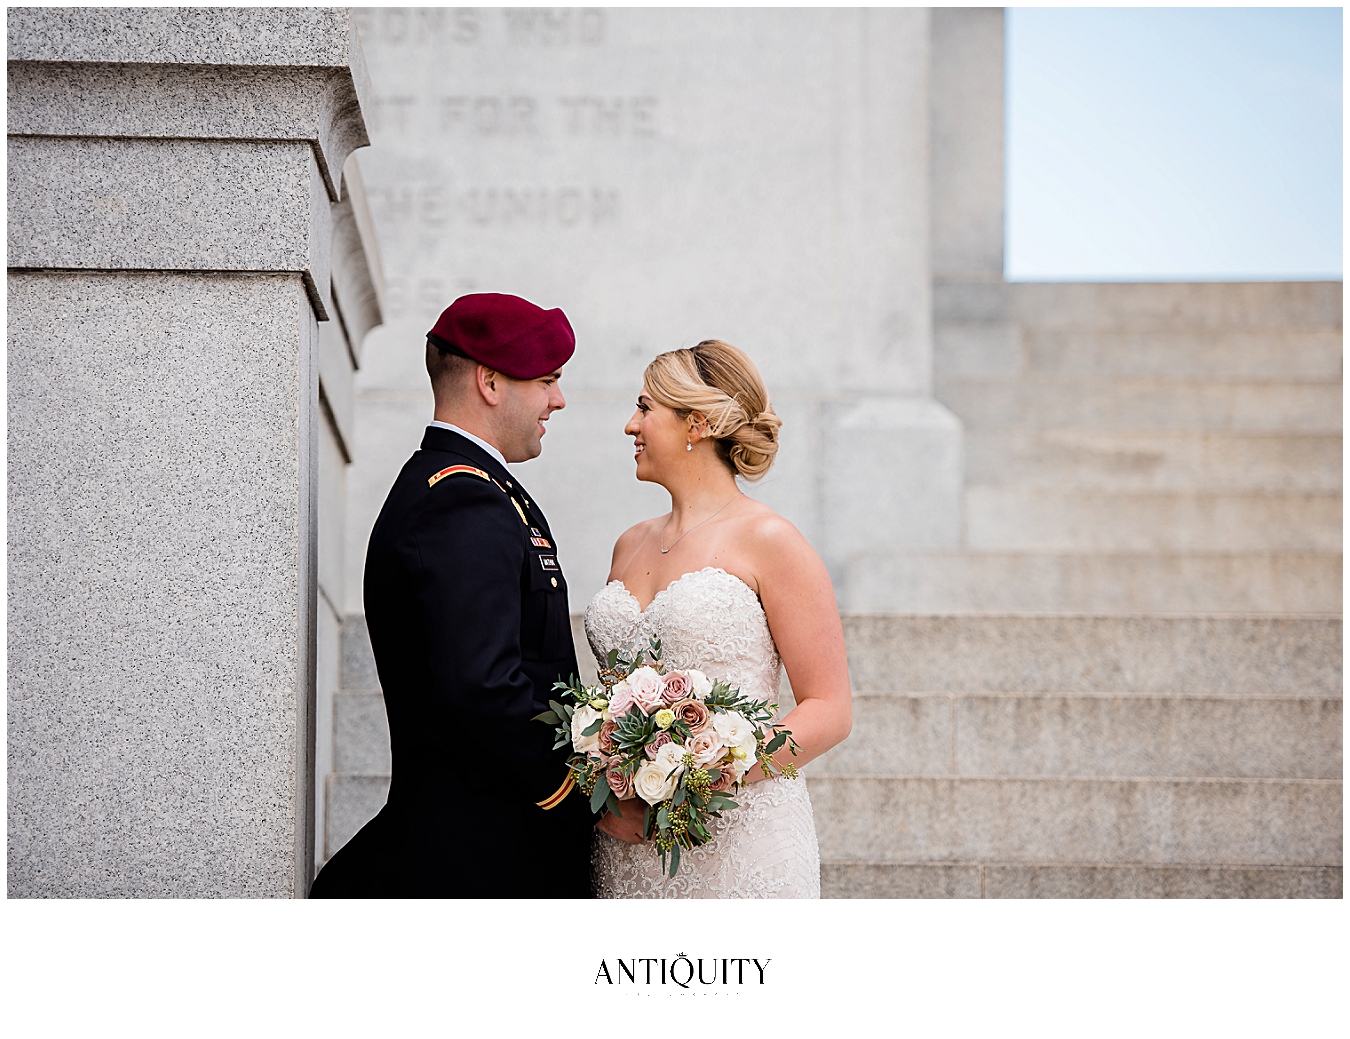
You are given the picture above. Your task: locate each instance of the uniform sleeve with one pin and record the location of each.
(470, 554)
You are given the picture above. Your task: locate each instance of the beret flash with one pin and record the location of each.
(505, 333)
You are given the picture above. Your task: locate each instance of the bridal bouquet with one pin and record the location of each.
(674, 738)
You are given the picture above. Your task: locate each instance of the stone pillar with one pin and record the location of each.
(172, 174)
(971, 330)
(357, 292)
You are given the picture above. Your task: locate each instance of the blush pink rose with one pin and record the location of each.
(706, 746)
(621, 785)
(620, 700)
(693, 714)
(607, 737)
(646, 685)
(725, 782)
(675, 686)
(661, 739)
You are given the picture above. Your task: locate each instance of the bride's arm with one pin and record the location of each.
(803, 616)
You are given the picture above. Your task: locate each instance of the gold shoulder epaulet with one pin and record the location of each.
(470, 470)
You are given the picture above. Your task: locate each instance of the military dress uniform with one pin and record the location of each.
(467, 610)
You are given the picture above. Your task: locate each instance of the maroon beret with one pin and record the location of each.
(506, 333)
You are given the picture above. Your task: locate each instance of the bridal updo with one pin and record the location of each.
(721, 383)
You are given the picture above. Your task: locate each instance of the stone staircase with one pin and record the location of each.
(1007, 756)
(1135, 449)
(1126, 679)
(1025, 756)
(359, 783)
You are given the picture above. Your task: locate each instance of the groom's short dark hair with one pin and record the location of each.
(448, 371)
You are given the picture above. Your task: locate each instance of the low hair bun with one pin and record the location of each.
(723, 385)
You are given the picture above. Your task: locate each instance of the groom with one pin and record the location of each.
(468, 618)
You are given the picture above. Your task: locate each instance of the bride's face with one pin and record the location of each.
(659, 437)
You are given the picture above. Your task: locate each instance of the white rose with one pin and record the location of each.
(733, 727)
(743, 756)
(582, 719)
(651, 783)
(700, 685)
(646, 685)
(670, 756)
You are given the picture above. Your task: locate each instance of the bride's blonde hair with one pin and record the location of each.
(722, 384)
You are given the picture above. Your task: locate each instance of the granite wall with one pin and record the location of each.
(175, 177)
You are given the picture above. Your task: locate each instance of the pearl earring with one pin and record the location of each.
(689, 447)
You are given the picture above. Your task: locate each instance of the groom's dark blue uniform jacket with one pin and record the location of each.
(468, 617)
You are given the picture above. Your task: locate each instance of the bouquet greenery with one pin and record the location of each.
(678, 740)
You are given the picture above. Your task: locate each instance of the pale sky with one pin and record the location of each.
(1184, 143)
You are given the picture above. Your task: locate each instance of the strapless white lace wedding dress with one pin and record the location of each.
(767, 847)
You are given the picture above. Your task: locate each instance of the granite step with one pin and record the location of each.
(1222, 354)
(1085, 736)
(357, 672)
(1047, 880)
(1094, 583)
(360, 734)
(1264, 656)
(984, 349)
(1040, 519)
(1108, 821)
(352, 801)
(1142, 404)
(1176, 305)
(1072, 459)
(1140, 306)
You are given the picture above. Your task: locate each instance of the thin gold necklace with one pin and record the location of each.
(695, 527)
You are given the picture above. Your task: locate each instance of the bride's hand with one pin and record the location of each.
(627, 829)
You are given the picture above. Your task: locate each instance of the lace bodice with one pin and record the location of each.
(711, 620)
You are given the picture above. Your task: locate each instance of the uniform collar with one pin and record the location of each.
(451, 427)
(438, 438)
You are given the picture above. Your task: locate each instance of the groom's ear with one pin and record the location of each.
(489, 384)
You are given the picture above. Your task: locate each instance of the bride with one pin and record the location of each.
(731, 588)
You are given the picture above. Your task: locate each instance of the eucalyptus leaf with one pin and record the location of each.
(674, 859)
(548, 718)
(593, 728)
(599, 795)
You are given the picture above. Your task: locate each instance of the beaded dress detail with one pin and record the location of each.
(766, 848)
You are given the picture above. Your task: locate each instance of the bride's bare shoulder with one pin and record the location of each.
(630, 540)
(772, 538)
(763, 522)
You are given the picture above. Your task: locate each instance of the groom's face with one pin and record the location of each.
(525, 405)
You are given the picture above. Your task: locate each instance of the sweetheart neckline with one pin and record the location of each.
(642, 610)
